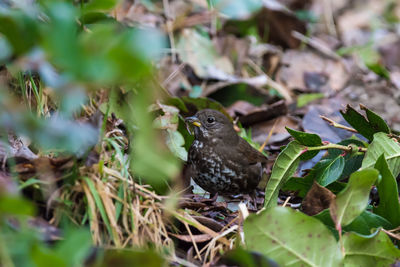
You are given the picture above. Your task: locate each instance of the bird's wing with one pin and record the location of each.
(253, 155)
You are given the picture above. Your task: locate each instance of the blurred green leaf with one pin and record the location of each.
(45, 257)
(76, 247)
(304, 99)
(176, 143)
(15, 205)
(127, 258)
(244, 258)
(99, 5)
(20, 30)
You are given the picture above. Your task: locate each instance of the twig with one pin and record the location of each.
(173, 74)
(348, 148)
(328, 14)
(316, 44)
(286, 201)
(277, 86)
(169, 26)
(337, 125)
(269, 136)
(391, 234)
(193, 241)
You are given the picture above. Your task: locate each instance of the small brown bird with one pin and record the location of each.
(220, 161)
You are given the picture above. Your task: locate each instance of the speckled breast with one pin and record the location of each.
(216, 173)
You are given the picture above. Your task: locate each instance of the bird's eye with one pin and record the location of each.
(210, 119)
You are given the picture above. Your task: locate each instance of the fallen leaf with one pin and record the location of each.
(317, 199)
(296, 65)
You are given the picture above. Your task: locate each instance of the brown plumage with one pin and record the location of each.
(220, 161)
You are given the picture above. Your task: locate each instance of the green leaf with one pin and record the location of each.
(176, 143)
(291, 238)
(130, 257)
(75, 248)
(307, 139)
(244, 258)
(284, 167)
(352, 161)
(377, 122)
(358, 122)
(325, 172)
(331, 172)
(353, 200)
(382, 144)
(99, 5)
(15, 205)
(374, 250)
(299, 184)
(363, 224)
(304, 99)
(389, 205)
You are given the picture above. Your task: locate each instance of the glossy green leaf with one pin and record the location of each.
(352, 161)
(331, 172)
(389, 205)
(382, 144)
(290, 237)
(373, 250)
(284, 167)
(353, 200)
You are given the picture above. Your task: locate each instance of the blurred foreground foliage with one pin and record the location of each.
(59, 55)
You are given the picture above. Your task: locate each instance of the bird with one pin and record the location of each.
(219, 160)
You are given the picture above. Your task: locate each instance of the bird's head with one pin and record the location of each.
(210, 124)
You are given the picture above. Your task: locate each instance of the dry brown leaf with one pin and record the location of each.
(317, 199)
(295, 65)
(194, 238)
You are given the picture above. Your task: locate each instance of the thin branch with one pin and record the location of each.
(348, 148)
(337, 125)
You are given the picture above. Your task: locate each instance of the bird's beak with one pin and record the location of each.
(193, 120)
